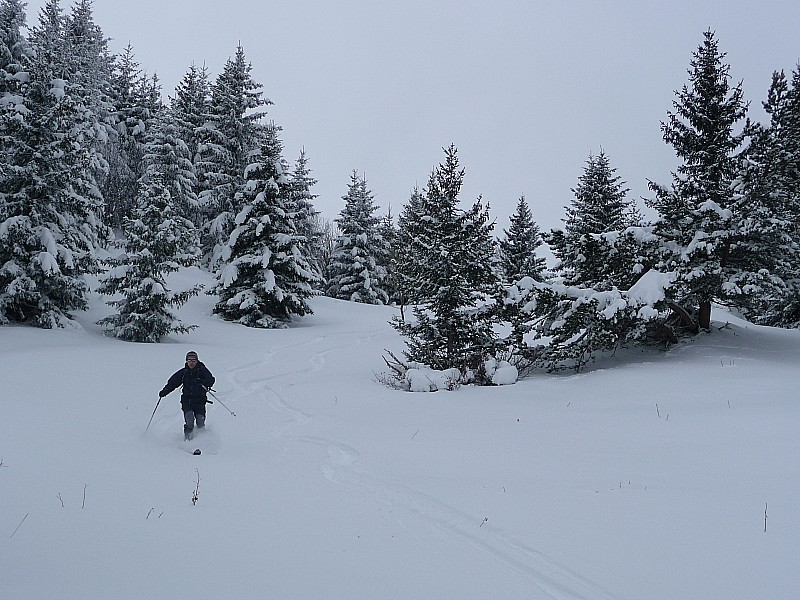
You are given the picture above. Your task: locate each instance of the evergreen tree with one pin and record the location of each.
(51, 226)
(156, 243)
(387, 234)
(305, 216)
(191, 109)
(89, 69)
(89, 64)
(49, 40)
(167, 157)
(231, 134)
(600, 206)
(132, 115)
(788, 165)
(695, 213)
(15, 56)
(265, 278)
(408, 246)
(517, 260)
(453, 326)
(14, 48)
(518, 257)
(761, 271)
(358, 271)
(568, 326)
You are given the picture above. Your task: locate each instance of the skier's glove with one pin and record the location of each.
(162, 393)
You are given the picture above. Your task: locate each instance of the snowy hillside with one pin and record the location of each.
(647, 477)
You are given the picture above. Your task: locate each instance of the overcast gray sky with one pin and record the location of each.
(525, 90)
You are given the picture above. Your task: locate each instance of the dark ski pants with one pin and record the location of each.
(189, 418)
(192, 413)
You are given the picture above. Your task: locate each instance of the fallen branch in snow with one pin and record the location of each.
(195, 494)
(396, 377)
(396, 365)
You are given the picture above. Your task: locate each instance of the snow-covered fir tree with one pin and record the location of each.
(264, 279)
(158, 241)
(89, 63)
(694, 213)
(518, 259)
(15, 56)
(764, 247)
(568, 326)
(51, 225)
(600, 205)
(387, 232)
(168, 157)
(453, 327)
(133, 111)
(408, 245)
(89, 69)
(14, 48)
(191, 110)
(306, 218)
(232, 132)
(519, 245)
(358, 269)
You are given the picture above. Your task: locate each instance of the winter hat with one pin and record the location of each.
(191, 354)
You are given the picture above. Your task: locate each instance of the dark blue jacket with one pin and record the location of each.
(195, 382)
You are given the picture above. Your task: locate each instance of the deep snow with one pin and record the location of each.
(646, 477)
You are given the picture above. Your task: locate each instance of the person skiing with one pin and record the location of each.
(196, 379)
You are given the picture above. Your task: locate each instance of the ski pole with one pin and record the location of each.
(213, 395)
(153, 415)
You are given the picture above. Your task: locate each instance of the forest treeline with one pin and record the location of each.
(100, 175)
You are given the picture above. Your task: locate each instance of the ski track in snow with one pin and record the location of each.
(554, 580)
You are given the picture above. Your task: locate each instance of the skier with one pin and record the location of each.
(196, 380)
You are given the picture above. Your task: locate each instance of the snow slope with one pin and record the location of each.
(647, 477)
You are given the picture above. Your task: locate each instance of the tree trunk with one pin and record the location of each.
(685, 317)
(704, 317)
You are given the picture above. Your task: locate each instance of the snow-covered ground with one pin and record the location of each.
(647, 477)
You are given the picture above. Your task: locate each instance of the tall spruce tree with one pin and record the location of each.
(406, 248)
(14, 48)
(763, 265)
(191, 109)
(232, 132)
(694, 213)
(600, 206)
(51, 217)
(789, 166)
(358, 271)
(518, 248)
(305, 216)
(387, 233)
(157, 242)
(453, 325)
(265, 279)
(167, 156)
(125, 148)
